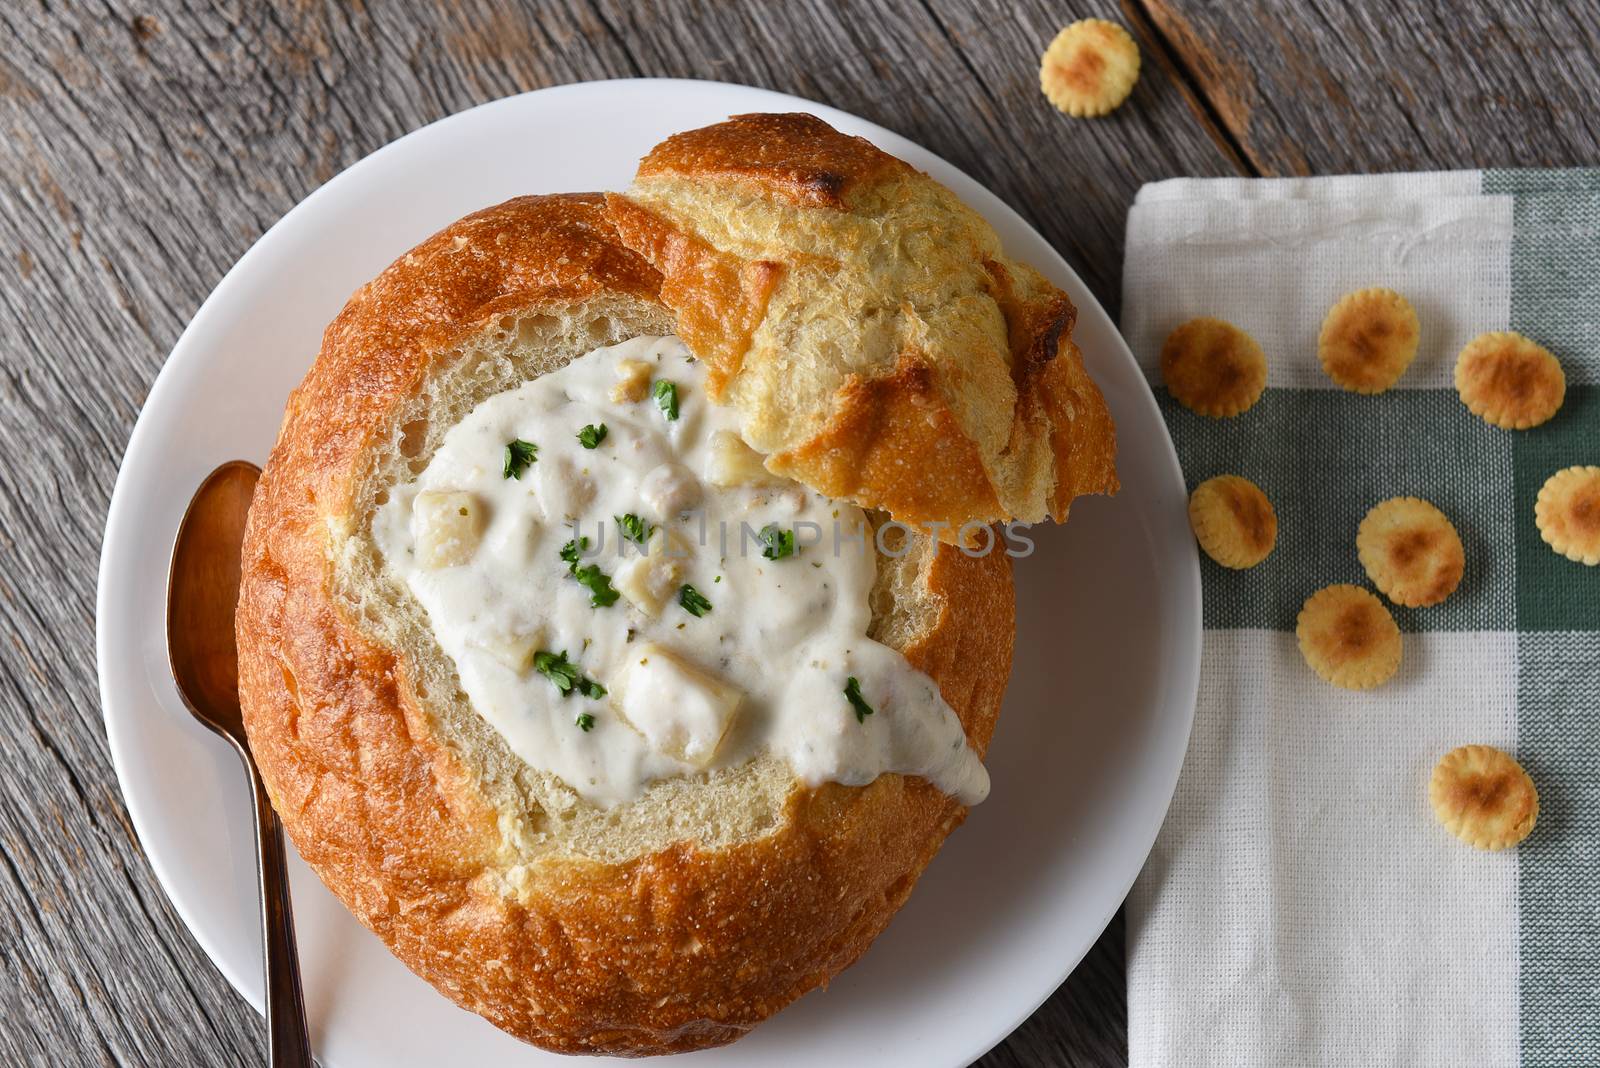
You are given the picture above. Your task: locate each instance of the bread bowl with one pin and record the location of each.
(674, 921)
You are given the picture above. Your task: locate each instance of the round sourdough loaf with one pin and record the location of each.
(875, 338)
(674, 922)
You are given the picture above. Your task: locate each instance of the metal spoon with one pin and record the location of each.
(202, 592)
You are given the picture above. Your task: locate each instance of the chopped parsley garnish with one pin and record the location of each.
(568, 679)
(597, 582)
(572, 551)
(592, 435)
(666, 395)
(633, 528)
(779, 543)
(852, 693)
(693, 601)
(585, 722)
(519, 454)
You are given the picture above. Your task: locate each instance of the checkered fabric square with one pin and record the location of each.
(1302, 906)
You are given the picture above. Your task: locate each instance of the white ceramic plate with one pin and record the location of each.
(1088, 747)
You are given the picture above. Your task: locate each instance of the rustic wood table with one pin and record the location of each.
(145, 147)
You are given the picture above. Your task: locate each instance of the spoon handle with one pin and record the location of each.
(287, 1043)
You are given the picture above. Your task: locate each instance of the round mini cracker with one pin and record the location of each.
(1510, 381)
(1213, 368)
(1483, 797)
(1090, 68)
(1348, 637)
(1411, 551)
(1233, 521)
(1368, 340)
(1567, 513)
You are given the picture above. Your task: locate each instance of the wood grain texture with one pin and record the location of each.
(146, 146)
(1331, 87)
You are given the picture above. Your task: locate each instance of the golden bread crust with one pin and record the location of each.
(797, 157)
(675, 950)
(859, 315)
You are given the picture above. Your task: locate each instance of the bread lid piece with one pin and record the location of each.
(877, 341)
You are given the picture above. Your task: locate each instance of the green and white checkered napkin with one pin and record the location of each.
(1302, 906)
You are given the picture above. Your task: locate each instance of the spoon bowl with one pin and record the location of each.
(202, 591)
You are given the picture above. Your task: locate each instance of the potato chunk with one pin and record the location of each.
(681, 710)
(670, 489)
(448, 526)
(565, 490)
(733, 463)
(633, 381)
(648, 581)
(513, 649)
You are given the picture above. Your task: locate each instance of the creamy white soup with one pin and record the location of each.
(629, 595)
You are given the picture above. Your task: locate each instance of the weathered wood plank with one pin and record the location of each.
(959, 80)
(1327, 87)
(1072, 178)
(147, 146)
